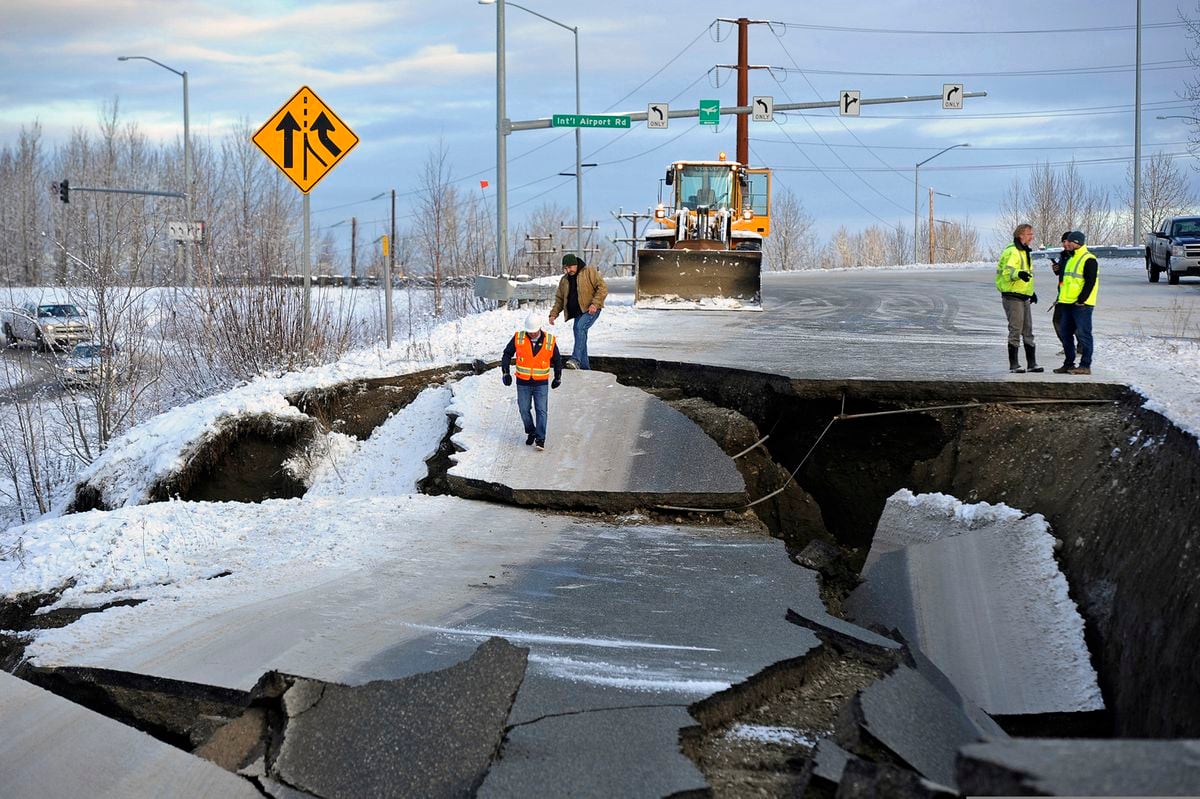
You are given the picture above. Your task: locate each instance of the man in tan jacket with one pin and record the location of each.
(581, 293)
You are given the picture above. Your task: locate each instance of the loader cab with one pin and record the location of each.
(703, 186)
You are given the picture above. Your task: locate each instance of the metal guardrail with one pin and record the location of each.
(503, 289)
(1103, 251)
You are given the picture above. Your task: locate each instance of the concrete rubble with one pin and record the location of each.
(911, 719)
(1077, 767)
(433, 734)
(609, 447)
(980, 595)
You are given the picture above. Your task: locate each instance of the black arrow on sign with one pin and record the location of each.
(322, 126)
(950, 94)
(658, 110)
(289, 126)
(847, 100)
(763, 104)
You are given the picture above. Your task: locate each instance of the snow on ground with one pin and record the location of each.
(761, 733)
(111, 550)
(162, 548)
(392, 461)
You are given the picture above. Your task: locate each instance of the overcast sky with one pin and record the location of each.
(406, 75)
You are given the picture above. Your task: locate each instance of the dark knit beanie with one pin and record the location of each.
(1077, 237)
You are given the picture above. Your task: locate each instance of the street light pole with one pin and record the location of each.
(917, 197)
(187, 139)
(502, 130)
(1137, 133)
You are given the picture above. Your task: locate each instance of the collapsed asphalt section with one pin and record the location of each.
(52, 747)
(976, 588)
(431, 734)
(609, 447)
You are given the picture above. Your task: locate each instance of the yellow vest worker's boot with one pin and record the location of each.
(1013, 364)
(1031, 359)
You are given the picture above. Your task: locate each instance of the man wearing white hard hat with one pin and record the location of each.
(536, 356)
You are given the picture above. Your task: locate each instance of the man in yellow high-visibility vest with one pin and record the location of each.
(1076, 301)
(1014, 280)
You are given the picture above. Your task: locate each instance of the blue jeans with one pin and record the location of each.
(583, 323)
(1076, 321)
(537, 394)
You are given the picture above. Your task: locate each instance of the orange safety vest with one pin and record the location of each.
(530, 366)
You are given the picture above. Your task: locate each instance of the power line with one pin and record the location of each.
(659, 71)
(984, 167)
(861, 179)
(1106, 69)
(825, 174)
(838, 117)
(974, 147)
(929, 32)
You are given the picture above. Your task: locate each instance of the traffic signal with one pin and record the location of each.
(64, 191)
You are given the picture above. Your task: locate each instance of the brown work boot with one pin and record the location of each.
(1065, 369)
(1080, 370)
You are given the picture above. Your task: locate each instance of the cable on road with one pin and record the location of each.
(844, 417)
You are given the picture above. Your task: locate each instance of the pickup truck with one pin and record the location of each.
(47, 325)
(1174, 248)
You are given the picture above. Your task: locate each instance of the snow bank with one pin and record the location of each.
(392, 461)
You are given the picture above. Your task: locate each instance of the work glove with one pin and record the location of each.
(1033, 299)
(1023, 275)
(555, 383)
(507, 380)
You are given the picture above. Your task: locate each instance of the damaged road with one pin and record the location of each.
(640, 625)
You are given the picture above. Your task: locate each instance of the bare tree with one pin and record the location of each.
(790, 245)
(1165, 192)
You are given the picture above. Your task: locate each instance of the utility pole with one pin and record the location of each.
(632, 241)
(389, 267)
(1137, 134)
(743, 82)
(931, 224)
(584, 252)
(538, 252)
(353, 249)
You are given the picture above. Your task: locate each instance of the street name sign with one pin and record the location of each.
(710, 112)
(590, 121)
(952, 95)
(305, 139)
(657, 116)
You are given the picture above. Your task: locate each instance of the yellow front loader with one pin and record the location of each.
(707, 251)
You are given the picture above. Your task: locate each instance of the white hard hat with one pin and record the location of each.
(533, 323)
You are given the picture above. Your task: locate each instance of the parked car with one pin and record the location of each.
(86, 364)
(47, 325)
(1174, 248)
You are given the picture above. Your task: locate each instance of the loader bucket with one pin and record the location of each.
(718, 280)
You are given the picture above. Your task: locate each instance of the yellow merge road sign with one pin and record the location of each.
(305, 139)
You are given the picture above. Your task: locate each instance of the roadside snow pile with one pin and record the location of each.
(135, 461)
(160, 547)
(392, 461)
(1164, 371)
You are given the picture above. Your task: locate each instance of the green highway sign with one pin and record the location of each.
(590, 121)
(710, 112)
